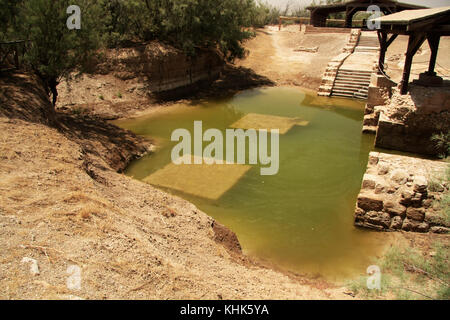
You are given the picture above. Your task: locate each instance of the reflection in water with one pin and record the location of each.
(302, 218)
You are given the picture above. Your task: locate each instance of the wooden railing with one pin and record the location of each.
(306, 20)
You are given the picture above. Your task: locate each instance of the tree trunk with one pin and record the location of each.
(52, 83)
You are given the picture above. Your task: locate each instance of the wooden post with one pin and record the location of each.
(349, 17)
(433, 42)
(382, 36)
(384, 45)
(16, 55)
(279, 24)
(414, 43)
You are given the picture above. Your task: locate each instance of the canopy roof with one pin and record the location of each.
(342, 6)
(412, 16)
(436, 20)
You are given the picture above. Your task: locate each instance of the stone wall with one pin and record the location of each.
(395, 195)
(409, 121)
(380, 90)
(329, 77)
(312, 29)
(161, 66)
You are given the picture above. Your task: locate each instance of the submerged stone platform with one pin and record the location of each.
(400, 193)
(201, 180)
(268, 122)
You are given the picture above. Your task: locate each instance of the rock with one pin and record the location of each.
(416, 200)
(420, 184)
(369, 181)
(396, 223)
(379, 188)
(379, 218)
(394, 208)
(391, 190)
(423, 227)
(417, 214)
(412, 225)
(370, 202)
(359, 214)
(440, 230)
(373, 159)
(399, 176)
(383, 169)
(434, 219)
(427, 203)
(406, 198)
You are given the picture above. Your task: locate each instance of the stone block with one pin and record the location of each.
(370, 202)
(417, 214)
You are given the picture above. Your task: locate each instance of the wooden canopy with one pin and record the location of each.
(320, 13)
(419, 25)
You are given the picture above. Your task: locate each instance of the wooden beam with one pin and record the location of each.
(349, 17)
(414, 43)
(433, 42)
(382, 36)
(391, 39)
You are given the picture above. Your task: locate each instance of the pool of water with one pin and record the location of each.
(300, 219)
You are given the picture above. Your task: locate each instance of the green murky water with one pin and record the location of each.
(302, 218)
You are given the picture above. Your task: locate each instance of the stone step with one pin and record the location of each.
(370, 120)
(343, 91)
(365, 72)
(354, 80)
(366, 49)
(357, 75)
(369, 129)
(360, 96)
(355, 87)
(358, 85)
(342, 95)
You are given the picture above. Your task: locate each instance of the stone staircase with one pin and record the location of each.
(351, 84)
(348, 75)
(367, 43)
(333, 66)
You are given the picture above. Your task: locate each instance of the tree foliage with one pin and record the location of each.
(55, 50)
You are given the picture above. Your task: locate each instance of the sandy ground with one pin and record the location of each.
(272, 54)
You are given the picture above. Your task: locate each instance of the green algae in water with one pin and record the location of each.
(302, 218)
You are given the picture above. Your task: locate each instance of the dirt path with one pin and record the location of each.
(273, 54)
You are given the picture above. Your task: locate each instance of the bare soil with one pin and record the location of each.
(272, 54)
